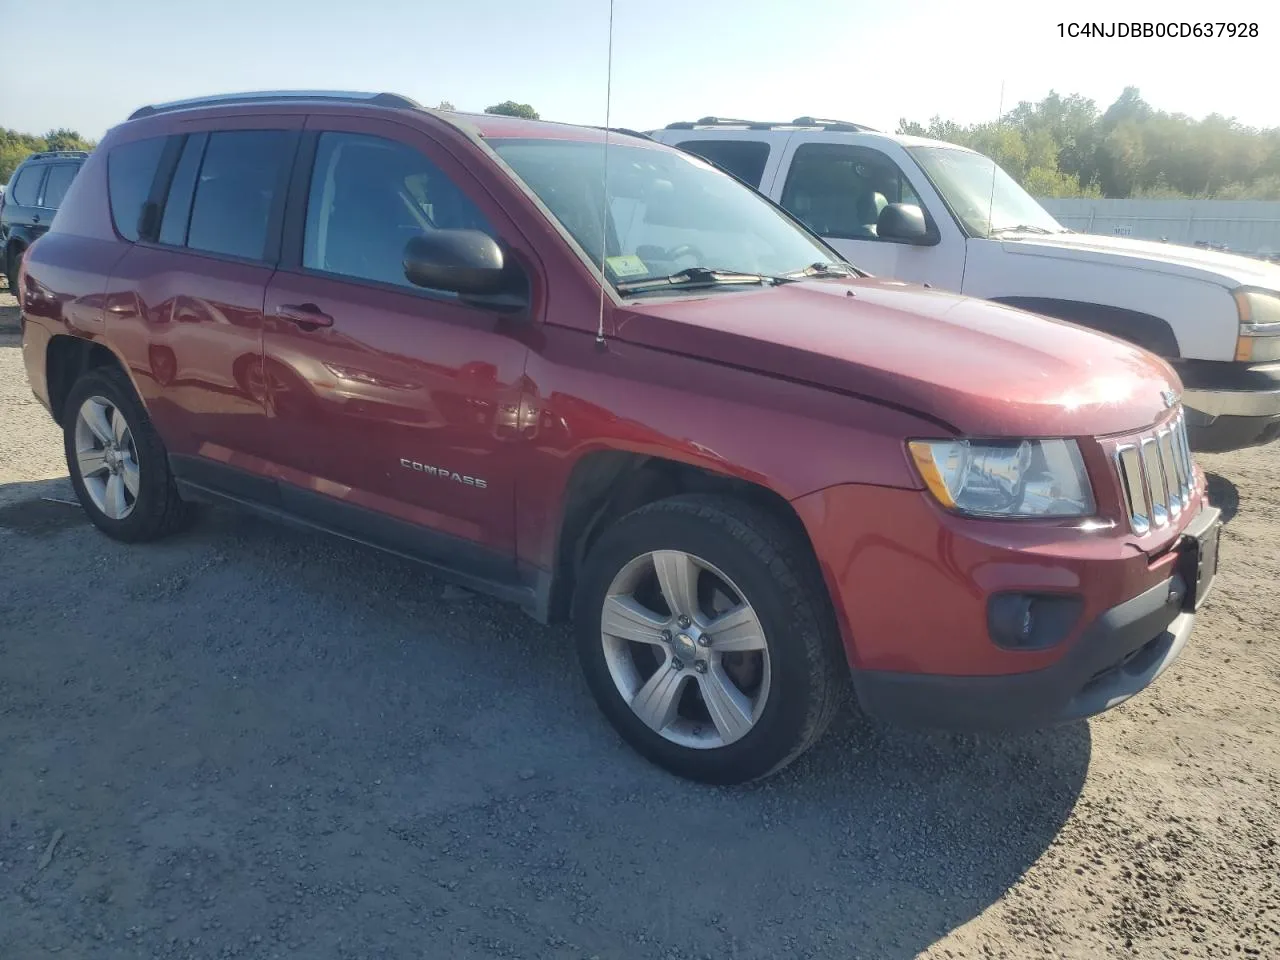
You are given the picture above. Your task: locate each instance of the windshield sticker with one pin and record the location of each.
(627, 266)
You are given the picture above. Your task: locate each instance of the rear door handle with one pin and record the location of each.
(304, 315)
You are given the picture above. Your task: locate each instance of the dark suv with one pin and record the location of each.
(27, 206)
(652, 400)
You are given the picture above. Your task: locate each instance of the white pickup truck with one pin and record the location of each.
(931, 212)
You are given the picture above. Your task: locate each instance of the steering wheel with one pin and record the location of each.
(683, 250)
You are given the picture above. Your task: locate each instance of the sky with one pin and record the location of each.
(870, 62)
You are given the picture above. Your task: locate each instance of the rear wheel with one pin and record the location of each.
(118, 465)
(706, 636)
(11, 258)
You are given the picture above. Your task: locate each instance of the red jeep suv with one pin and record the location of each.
(595, 375)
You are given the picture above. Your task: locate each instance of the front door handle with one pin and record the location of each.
(305, 315)
(35, 218)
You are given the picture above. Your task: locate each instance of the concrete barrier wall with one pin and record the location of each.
(1243, 226)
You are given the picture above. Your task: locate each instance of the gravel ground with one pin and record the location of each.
(252, 742)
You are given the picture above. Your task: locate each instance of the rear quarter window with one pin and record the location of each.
(131, 168)
(745, 159)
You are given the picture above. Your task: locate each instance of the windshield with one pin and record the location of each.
(965, 181)
(668, 212)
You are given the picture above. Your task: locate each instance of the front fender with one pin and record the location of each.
(785, 437)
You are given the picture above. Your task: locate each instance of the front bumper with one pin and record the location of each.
(1120, 653)
(1230, 405)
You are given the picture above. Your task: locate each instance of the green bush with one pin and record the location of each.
(1064, 146)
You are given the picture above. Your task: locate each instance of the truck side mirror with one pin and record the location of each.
(905, 223)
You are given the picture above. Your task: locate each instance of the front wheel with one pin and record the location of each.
(707, 638)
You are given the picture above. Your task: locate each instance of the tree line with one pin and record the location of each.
(1067, 147)
(15, 147)
(1056, 147)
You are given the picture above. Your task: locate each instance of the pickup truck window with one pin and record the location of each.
(985, 198)
(839, 190)
(745, 159)
(667, 211)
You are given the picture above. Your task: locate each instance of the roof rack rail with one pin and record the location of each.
(49, 154)
(836, 125)
(722, 122)
(829, 124)
(269, 96)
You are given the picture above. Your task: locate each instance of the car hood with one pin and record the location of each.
(984, 369)
(1226, 269)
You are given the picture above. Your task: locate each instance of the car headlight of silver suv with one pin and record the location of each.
(1259, 338)
(1005, 478)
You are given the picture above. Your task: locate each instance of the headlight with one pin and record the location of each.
(1259, 337)
(1005, 478)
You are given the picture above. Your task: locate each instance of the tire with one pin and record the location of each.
(770, 575)
(11, 267)
(151, 506)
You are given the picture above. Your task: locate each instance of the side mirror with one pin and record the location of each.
(904, 223)
(469, 263)
(459, 261)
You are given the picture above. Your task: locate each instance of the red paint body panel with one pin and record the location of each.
(990, 370)
(808, 390)
(787, 437)
(911, 582)
(189, 327)
(398, 376)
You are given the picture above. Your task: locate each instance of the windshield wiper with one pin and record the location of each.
(692, 277)
(822, 268)
(1020, 228)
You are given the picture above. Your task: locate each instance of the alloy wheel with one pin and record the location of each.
(107, 457)
(685, 649)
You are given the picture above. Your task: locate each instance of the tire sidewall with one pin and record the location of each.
(152, 473)
(787, 712)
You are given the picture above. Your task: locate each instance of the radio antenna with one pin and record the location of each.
(991, 203)
(604, 213)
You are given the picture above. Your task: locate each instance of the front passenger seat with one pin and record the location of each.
(869, 207)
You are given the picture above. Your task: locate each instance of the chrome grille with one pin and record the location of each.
(1157, 475)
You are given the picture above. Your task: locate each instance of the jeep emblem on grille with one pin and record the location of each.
(1169, 397)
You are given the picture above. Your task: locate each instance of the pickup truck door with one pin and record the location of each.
(838, 187)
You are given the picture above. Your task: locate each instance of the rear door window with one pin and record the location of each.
(56, 183)
(745, 159)
(177, 206)
(242, 177)
(25, 188)
(131, 168)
